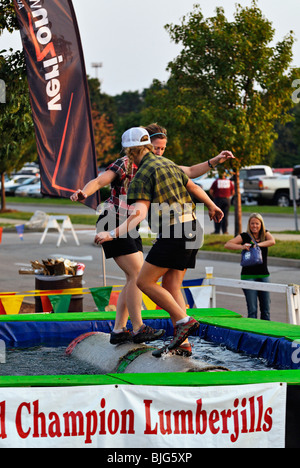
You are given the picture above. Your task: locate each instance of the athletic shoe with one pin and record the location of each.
(160, 351)
(182, 331)
(118, 338)
(147, 333)
(184, 350)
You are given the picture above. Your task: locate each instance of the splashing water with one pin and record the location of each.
(53, 361)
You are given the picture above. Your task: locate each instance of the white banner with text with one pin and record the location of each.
(128, 416)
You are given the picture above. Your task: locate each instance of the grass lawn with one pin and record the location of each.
(215, 243)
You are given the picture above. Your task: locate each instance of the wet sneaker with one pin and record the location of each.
(182, 331)
(184, 350)
(147, 334)
(118, 338)
(160, 351)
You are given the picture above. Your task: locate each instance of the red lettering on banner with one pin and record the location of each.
(3, 434)
(260, 415)
(213, 420)
(246, 415)
(19, 425)
(168, 429)
(234, 437)
(102, 418)
(39, 421)
(76, 420)
(201, 416)
(242, 419)
(183, 416)
(91, 426)
(225, 415)
(252, 414)
(54, 427)
(127, 429)
(148, 429)
(268, 420)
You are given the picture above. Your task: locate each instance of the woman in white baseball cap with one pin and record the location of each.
(127, 252)
(160, 184)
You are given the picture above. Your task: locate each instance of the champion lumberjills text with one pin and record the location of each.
(245, 416)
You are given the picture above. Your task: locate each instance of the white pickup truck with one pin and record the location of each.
(271, 190)
(205, 181)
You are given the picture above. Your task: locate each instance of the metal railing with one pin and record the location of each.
(291, 291)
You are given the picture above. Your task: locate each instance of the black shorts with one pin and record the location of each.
(120, 246)
(178, 253)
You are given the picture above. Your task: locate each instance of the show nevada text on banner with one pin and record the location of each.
(59, 96)
(117, 416)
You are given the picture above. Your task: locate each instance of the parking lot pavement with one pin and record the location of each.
(16, 253)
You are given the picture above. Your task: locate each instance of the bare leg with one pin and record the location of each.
(172, 282)
(147, 282)
(130, 299)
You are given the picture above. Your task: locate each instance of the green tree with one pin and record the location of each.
(15, 119)
(112, 115)
(8, 19)
(227, 88)
(17, 132)
(286, 149)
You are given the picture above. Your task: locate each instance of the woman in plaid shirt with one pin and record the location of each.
(128, 252)
(159, 181)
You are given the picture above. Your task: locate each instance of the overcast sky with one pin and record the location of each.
(129, 39)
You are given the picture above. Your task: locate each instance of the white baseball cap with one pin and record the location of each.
(133, 137)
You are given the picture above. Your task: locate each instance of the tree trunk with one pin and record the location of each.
(3, 200)
(237, 205)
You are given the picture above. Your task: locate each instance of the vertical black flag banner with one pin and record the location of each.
(59, 96)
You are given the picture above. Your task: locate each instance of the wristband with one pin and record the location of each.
(210, 164)
(112, 234)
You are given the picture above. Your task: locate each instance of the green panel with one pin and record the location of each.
(85, 316)
(69, 317)
(202, 379)
(57, 380)
(261, 327)
(189, 379)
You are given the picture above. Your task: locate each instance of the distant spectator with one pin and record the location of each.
(222, 190)
(257, 232)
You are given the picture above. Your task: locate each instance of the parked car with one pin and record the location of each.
(246, 173)
(251, 173)
(206, 180)
(272, 190)
(17, 181)
(30, 169)
(255, 171)
(30, 190)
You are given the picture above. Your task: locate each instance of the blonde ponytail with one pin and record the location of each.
(128, 170)
(132, 153)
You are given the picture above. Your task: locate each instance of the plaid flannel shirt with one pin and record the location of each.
(163, 183)
(118, 192)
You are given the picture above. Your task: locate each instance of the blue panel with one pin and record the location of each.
(279, 353)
